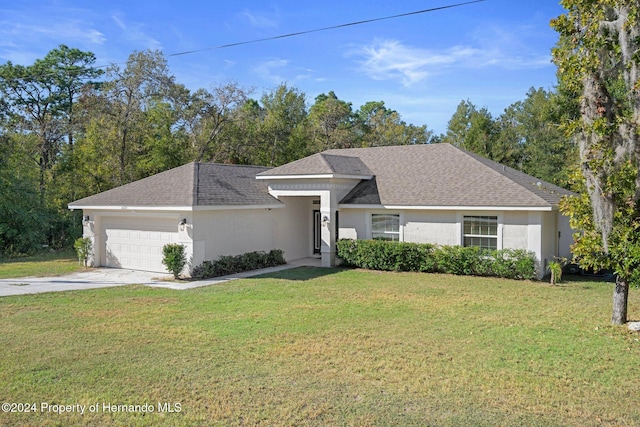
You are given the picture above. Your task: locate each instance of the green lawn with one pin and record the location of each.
(325, 347)
(48, 264)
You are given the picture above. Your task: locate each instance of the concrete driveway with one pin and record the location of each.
(95, 278)
(109, 277)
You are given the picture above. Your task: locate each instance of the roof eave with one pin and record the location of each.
(449, 207)
(174, 208)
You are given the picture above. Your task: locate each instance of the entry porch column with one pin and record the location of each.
(328, 208)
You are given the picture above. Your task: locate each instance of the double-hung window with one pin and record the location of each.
(385, 227)
(481, 231)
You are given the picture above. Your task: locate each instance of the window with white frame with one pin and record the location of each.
(481, 231)
(385, 227)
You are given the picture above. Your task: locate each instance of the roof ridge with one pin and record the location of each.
(235, 165)
(195, 190)
(326, 162)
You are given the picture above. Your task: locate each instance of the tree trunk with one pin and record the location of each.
(620, 297)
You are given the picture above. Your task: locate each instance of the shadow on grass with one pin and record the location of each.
(300, 273)
(601, 278)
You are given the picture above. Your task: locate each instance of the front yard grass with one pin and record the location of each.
(325, 347)
(53, 263)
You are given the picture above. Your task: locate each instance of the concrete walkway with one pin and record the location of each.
(110, 277)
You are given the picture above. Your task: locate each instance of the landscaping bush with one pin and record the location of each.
(515, 264)
(174, 258)
(385, 255)
(82, 247)
(232, 264)
(429, 258)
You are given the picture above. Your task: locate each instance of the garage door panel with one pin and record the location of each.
(138, 246)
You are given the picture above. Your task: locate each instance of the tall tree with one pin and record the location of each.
(332, 123)
(206, 116)
(283, 129)
(531, 137)
(242, 134)
(472, 129)
(380, 126)
(23, 224)
(118, 118)
(598, 56)
(40, 99)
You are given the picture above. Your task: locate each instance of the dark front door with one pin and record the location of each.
(317, 232)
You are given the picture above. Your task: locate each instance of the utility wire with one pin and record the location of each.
(333, 27)
(282, 36)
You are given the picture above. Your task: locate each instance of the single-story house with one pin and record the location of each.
(434, 193)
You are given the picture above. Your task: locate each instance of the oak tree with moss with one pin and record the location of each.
(598, 59)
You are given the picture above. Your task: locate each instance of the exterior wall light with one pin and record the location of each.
(183, 224)
(86, 220)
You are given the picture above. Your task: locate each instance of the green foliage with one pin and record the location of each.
(555, 268)
(597, 59)
(232, 264)
(429, 258)
(332, 123)
(622, 255)
(24, 222)
(83, 248)
(472, 129)
(174, 258)
(378, 126)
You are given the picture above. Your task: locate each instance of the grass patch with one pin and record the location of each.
(326, 347)
(47, 264)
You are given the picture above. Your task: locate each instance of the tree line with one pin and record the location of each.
(69, 129)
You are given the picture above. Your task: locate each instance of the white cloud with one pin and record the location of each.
(391, 60)
(261, 20)
(268, 70)
(66, 30)
(135, 32)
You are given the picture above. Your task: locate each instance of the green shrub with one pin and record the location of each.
(385, 255)
(83, 249)
(425, 257)
(232, 264)
(174, 258)
(275, 257)
(469, 261)
(555, 268)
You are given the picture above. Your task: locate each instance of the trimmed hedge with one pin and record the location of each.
(232, 264)
(429, 258)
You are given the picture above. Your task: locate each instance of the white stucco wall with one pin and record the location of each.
(439, 227)
(515, 232)
(353, 224)
(566, 237)
(233, 232)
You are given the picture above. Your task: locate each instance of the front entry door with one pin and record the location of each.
(317, 232)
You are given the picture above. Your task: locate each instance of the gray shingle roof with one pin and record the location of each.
(443, 175)
(409, 175)
(323, 164)
(194, 184)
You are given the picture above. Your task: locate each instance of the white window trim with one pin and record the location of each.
(460, 220)
(384, 212)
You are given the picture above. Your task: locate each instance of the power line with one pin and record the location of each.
(282, 36)
(333, 27)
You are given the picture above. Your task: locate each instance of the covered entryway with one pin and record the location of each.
(137, 245)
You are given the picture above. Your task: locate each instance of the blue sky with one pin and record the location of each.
(422, 66)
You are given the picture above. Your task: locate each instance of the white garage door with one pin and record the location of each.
(138, 246)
